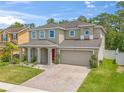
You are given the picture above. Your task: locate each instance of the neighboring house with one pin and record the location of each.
(68, 43)
(16, 36)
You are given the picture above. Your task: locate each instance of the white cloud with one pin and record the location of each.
(8, 20)
(89, 4)
(106, 6)
(18, 2)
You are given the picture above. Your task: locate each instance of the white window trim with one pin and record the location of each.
(35, 35)
(70, 33)
(54, 33)
(40, 36)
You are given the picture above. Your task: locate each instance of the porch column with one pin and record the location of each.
(20, 54)
(38, 55)
(29, 55)
(59, 55)
(49, 56)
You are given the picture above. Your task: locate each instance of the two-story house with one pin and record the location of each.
(68, 43)
(17, 35)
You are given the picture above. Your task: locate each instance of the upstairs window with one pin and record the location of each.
(14, 36)
(71, 33)
(33, 35)
(4, 37)
(52, 34)
(42, 35)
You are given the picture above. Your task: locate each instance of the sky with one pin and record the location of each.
(39, 11)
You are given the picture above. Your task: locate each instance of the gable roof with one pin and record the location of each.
(50, 25)
(64, 26)
(14, 30)
(75, 24)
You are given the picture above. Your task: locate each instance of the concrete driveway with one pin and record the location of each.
(60, 78)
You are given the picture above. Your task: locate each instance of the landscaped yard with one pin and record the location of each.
(1, 90)
(17, 74)
(105, 78)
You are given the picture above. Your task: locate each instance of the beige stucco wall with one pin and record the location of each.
(77, 34)
(23, 37)
(59, 36)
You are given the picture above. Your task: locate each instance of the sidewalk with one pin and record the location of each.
(18, 88)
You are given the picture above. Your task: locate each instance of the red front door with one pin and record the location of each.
(53, 55)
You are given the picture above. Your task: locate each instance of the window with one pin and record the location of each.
(14, 36)
(4, 37)
(52, 34)
(42, 35)
(71, 33)
(87, 32)
(33, 35)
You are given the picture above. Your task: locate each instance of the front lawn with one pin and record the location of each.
(17, 74)
(1, 90)
(105, 78)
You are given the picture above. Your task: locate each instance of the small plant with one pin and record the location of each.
(15, 61)
(114, 61)
(34, 59)
(100, 61)
(93, 61)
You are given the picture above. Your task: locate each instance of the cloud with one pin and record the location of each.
(8, 17)
(89, 4)
(17, 2)
(8, 20)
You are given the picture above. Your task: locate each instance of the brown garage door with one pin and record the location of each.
(75, 57)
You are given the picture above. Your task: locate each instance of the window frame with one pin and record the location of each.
(88, 32)
(32, 35)
(70, 33)
(13, 36)
(3, 39)
(54, 33)
(40, 35)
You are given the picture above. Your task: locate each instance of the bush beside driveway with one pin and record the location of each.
(105, 78)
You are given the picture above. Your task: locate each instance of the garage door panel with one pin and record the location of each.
(75, 57)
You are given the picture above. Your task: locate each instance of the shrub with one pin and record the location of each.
(4, 63)
(15, 61)
(24, 57)
(93, 61)
(114, 61)
(4, 58)
(100, 61)
(34, 59)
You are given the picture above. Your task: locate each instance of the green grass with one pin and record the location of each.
(17, 74)
(1, 90)
(103, 79)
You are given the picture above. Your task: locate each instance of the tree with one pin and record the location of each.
(120, 14)
(63, 21)
(8, 50)
(16, 24)
(31, 25)
(51, 20)
(82, 19)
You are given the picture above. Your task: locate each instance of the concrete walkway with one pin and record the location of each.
(60, 78)
(17, 88)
